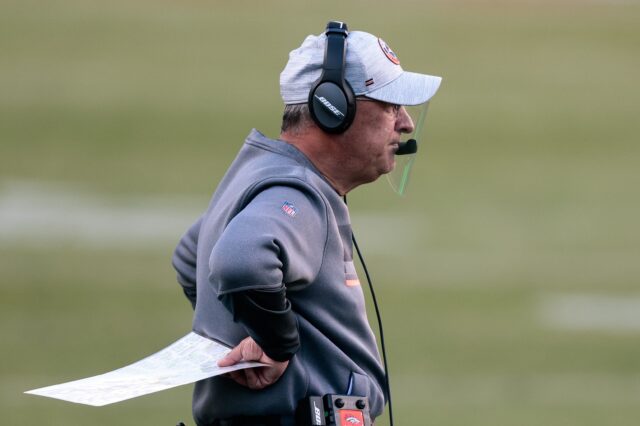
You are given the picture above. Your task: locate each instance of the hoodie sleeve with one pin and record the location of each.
(277, 240)
(184, 261)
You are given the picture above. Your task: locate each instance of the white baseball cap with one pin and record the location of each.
(371, 67)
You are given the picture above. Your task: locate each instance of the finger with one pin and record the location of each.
(271, 375)
(253, 381)
(238, 377)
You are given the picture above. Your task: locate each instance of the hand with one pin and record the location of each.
(253, 378)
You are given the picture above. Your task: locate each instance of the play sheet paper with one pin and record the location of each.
(190, 359)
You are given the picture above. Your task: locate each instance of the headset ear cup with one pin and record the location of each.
(331, 101)
(332, 107)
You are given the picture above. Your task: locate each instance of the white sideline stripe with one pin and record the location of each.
(41, 215)
(591, 312)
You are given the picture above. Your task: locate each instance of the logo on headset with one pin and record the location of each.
(316, 412)
(329, 106)
(388, 52)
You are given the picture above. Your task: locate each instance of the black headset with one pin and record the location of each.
(332, 103)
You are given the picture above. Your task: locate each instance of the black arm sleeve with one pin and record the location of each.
(268, 319)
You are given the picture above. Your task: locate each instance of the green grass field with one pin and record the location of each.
(526, 191)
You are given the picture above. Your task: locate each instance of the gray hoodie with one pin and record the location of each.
(275, 220)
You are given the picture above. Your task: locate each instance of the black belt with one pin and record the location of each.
(256, 421)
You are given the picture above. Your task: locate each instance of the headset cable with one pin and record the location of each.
(379, 318)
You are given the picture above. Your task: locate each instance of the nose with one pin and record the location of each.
(404, 123)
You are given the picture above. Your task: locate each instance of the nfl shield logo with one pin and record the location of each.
(289, 209)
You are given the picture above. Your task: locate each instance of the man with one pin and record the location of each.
(269, 266)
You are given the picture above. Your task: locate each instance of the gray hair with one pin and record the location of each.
(295, 118)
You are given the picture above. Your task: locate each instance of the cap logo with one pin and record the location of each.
(388, 52)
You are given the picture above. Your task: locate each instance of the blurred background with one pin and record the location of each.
(509, 276)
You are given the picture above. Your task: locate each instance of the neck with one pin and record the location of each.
(327, 153)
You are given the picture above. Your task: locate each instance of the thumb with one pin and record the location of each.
(232, 358)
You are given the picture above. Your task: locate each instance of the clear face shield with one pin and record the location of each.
(399, 177)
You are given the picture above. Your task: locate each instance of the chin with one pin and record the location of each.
(391, 166)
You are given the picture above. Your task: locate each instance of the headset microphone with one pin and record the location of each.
(408, 147)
